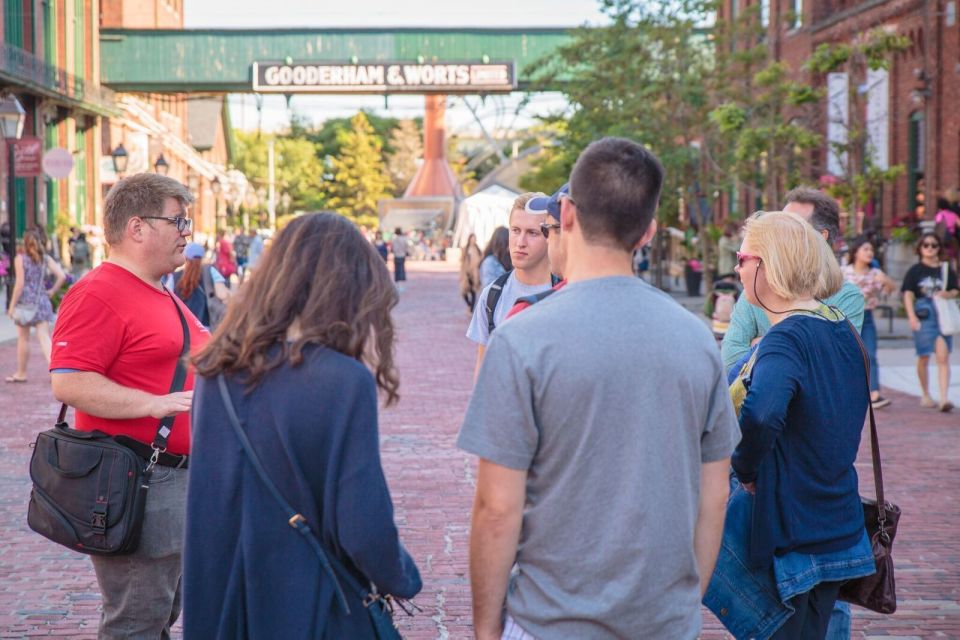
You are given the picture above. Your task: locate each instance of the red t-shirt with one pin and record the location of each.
(520, 305)
(113, 323)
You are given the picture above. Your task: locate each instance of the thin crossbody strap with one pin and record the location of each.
(294, 519)
(874, 439)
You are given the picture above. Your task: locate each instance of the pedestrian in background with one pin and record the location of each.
(117, 342)
(496, 257)
(872, 283)
(401, 249)
(381, 245)
(241, 248)
(30, 301)
(470, 271)
(921, 284)
(302, 356)
(727, 247)
(794, 529)
(225, 262)
(201, 287)
(570, 407)
(254, 250)
(79, 256)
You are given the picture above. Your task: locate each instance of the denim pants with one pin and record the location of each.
(399, 269)
(141, 591)
(869, 335)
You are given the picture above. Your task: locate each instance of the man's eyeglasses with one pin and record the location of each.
(928, 245)
(743, 257)
(183, 223)
(545, 228)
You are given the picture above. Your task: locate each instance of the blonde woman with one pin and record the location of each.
(30, 303)
(794, 520)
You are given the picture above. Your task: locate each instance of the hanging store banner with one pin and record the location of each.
(385, 77)
(28, 157)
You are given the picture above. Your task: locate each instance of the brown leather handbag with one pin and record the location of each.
(876, 592)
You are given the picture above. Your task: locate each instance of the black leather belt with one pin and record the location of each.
(145, 451)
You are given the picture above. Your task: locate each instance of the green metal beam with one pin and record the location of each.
(219, 60)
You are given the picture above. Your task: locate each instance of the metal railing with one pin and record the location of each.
(28, 67)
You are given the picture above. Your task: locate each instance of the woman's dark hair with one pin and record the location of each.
(190, 278)
(855, 245)
(943, 203)
(499, 247)
(929, 234)
(322, 272)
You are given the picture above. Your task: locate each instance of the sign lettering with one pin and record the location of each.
(387, 77)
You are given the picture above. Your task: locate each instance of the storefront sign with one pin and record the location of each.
(27, 157)
(57, 163)
(388, 77)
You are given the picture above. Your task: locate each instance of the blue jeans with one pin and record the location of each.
(869, 335)
(141, 591)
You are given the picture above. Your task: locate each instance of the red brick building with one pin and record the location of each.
(915, 119)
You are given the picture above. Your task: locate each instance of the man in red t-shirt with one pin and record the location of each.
(116, 344)
(555, 252)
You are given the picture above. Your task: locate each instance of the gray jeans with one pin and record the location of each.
(141, 591)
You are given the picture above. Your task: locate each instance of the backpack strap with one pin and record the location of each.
(493, 299)
(209, 287)
(537, 297)
(554, 280)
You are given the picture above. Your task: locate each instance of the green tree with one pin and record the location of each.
(860, 179)
(360, 178)
(406, 150)
(299, 170)
(761, 140)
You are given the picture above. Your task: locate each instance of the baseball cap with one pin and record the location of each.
(549, 205)
(193, 251)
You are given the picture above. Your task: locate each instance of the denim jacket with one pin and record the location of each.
(754, 603)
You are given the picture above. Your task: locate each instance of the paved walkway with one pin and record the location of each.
(48, 591)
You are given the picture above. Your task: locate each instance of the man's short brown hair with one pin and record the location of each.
(615, 185)
(143, 194)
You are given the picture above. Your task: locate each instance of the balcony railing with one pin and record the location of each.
(25, 66)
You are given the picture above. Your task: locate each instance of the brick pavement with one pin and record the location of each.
(46, 591)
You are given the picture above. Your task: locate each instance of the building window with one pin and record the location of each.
(764, 13)
(797, 14)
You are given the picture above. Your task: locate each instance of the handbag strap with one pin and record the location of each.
(165, 428)
(945, 272)
(296, 520)
(874, 439)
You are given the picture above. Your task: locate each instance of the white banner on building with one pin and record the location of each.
(878, 117)
(838, 118)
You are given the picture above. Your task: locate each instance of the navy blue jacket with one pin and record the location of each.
(247, 573)
(801, 424)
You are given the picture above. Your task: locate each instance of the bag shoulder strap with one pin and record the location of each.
(329, 562)
(165, 428)
(945, 272)
(493, 299)
(874, 438)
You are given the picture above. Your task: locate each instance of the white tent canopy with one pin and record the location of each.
(481, 213)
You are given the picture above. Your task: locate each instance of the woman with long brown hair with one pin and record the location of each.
(30, 302)
(302, 352)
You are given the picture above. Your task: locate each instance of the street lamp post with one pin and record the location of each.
(216, 187)
(12, 117)
(161, 166)
(120, 159)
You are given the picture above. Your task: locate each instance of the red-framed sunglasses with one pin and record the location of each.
(743, 257)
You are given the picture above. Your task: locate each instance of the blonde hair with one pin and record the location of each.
(798, 262)
(522, 200)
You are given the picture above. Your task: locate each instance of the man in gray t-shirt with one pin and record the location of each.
(604, 430)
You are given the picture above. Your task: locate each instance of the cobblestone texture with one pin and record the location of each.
(47, 591)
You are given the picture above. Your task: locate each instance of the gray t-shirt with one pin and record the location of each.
(610, 395)
(478, 331)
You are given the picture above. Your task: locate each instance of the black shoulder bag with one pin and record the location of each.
(379, 607)
(876, 592)
(90, 489)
